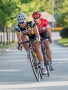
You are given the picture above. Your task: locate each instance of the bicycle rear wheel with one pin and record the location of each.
(35, 66)
(45, 60)
(45, 63)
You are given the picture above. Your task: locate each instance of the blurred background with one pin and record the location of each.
(55, 11)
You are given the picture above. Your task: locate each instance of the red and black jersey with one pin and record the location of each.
(43, 25)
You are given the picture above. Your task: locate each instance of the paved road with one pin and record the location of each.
(16, 72)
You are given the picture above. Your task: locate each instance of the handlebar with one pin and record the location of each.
(24, 42)
(27, 41)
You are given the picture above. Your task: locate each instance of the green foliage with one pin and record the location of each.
(45, 5)
(8, 10)
(58, 6)
(36, 5)
(26, 1)
(63, 17)
(64, 33)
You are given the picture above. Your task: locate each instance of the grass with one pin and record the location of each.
(63, 41)
(8, 46)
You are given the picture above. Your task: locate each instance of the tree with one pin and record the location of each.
(8, 11)
(58, 6)
(63, 18)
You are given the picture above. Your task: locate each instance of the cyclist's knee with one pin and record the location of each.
(24, 37)
(47, 45)
(38, 49)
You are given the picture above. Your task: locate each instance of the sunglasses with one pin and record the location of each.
(36, 18)
(21, 22)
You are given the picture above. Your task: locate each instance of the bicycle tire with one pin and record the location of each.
(45, 61)
(35, 67)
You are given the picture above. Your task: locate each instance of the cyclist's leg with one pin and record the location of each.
(47, 46)
(24, 38)
(48, 50)
(39, 54)
(37, 48)
(49, 53)
(26, 45)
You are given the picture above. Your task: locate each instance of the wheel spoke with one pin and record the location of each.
(35, 67)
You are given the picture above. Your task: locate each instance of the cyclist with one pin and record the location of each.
(45, 32)
(26, 30)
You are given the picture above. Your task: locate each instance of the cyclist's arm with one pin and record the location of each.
(49, 32)
(36, 32)
(18, 37)
(17, 29)
(19, 41)
(48, 28)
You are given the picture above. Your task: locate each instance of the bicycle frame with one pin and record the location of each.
(46, 62)
(34, 60)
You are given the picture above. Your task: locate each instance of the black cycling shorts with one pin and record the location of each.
(33, 36)
(44, 35)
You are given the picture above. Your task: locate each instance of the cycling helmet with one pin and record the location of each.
(36, 14)
(21, 17)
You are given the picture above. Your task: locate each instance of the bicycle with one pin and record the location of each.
(46, 61)
(34, 60)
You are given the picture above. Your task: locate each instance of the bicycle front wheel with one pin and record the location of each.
(35, 66)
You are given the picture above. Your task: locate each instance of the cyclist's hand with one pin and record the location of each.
(50, 40)
(19, 47)
(39, 42)
(40, 28)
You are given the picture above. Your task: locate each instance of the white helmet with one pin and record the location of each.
(21, 17)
